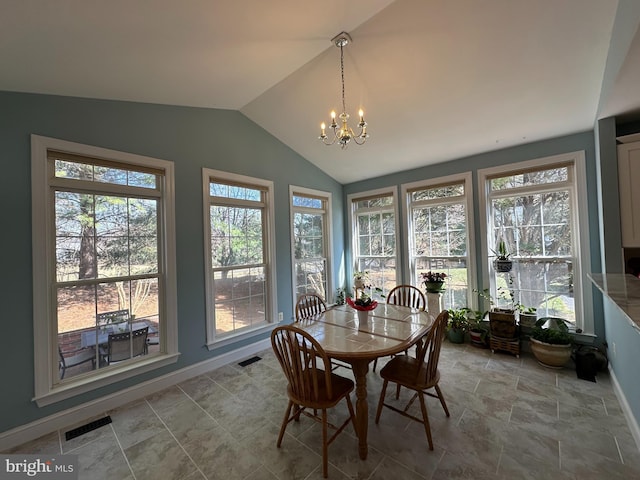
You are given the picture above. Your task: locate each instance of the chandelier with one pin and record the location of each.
(343, 133)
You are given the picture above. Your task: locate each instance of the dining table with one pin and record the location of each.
(388, 330)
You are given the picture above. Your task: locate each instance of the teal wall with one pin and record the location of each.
(625, 359)
(190, 137)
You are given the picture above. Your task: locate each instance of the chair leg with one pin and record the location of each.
(381, 402)
(352, 412)
(397, 391)
(441, 398)
(325, 452)
(375, 364)
(425, 417)
(284, 423)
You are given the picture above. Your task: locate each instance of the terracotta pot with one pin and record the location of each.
(554, 356)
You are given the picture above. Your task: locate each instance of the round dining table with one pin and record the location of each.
(388, 330)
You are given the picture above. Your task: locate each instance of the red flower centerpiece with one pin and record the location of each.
(365, 302)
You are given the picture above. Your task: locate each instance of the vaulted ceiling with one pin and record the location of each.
(437, 79)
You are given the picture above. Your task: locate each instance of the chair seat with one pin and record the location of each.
(340, 385)
(403, 370)
(81, 357)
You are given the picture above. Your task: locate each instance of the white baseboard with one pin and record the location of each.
(628, 413)
(31, 431)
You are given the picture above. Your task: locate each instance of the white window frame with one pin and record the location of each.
(353, 226)
(47, 389)
(583, 298)
(213, 341)
(409, 264)
(326, 199)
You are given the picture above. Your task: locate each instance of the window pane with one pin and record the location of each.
(438, 192)
(311, 277)
(231, 191)
(541, 177)
(308, 202)
(375, 202)
(103, 174)
(438, 231)
(239, 298)
(537, 230)
(236, 236)
(308, 234)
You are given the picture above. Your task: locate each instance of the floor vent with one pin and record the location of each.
(249, 361)
(76, 432)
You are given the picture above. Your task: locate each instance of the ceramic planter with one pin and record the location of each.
(434, 287)
(549, 355)
(455, 336)
(477, 340)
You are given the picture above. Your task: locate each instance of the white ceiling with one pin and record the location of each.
(438, 79)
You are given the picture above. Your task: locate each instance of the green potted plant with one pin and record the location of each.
(433, 281)
(502, 262)
(458, 324)
(551, 342)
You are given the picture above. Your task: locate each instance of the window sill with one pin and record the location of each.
(89, 383)
(231, 339)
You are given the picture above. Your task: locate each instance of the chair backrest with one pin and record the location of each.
(428, 352)
(127, 344)
(116, 316)
(308, 305)
(304, 362)
(408, 296)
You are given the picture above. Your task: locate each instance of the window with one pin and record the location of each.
(439, 226)
(373, 226)
(310, 241)
(239, 244)
(534, 208)
(103, 264)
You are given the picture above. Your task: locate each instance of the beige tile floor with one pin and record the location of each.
(510, 419)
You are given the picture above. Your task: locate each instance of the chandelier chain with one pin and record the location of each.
(344, 108)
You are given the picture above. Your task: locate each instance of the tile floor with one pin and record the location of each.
(510, 419)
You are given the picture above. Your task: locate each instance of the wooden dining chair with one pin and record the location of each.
(419, 373)
(407, 296)
(308, 305)
(311, 384)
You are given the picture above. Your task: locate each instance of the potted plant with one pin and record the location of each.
(458, 324)
(478, 328)
(502, 263)
(433, 281)
(527, 316)
(551, 342)
(363, 305)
